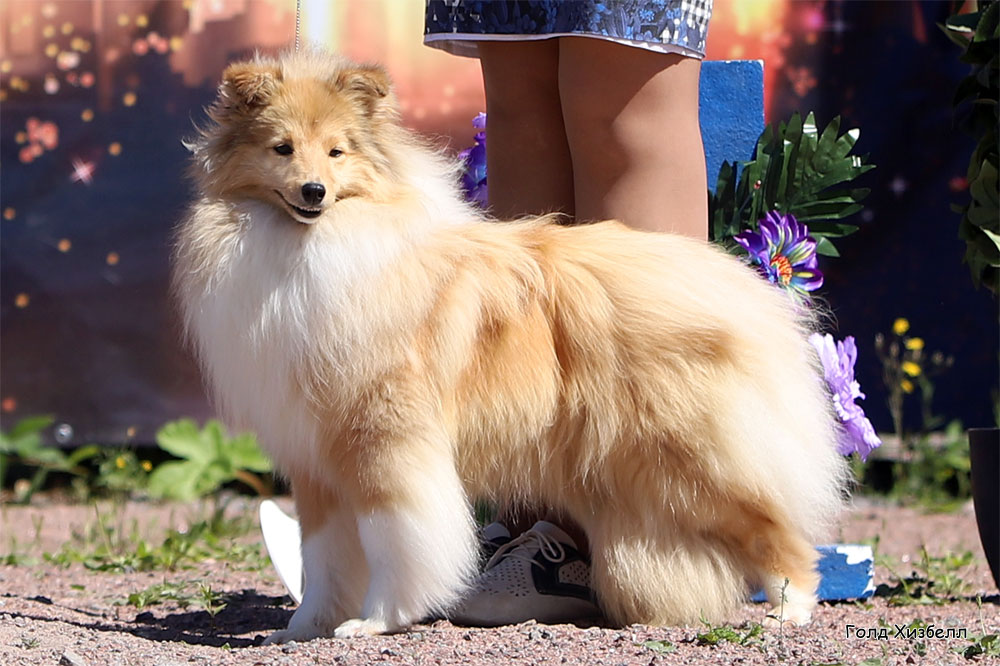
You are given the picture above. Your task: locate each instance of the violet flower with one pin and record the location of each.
(784, 253)
(474, 176)
(857, 434)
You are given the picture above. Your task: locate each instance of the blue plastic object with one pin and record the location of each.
(847, 571)
(731, 110)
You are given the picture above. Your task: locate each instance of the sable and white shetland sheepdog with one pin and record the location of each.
(400, 355)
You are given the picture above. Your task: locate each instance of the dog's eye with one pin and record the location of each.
(283, 149)
(336, 152)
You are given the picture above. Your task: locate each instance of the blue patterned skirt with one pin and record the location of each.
(667, 26)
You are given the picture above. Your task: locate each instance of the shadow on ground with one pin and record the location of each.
(246, 613)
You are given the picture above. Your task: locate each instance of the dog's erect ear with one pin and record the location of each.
(250, 84)
(368, 83)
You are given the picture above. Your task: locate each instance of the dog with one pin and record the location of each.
(400, 355)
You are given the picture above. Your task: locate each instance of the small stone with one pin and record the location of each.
(290, 647)
(70, 658)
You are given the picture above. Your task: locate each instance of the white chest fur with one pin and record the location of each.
(279, 295)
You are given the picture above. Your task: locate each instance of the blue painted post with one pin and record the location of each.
(731, 111)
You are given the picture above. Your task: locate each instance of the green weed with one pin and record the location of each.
(120, 548)
(748, 634)
(931, 465)
(933, 580)
(121, 473)
(17, 554)
(22, 444)
(981, 644)
(29, 642)
(185, 594)
(209, 459)
(662, 646)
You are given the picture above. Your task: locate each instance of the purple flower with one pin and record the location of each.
(857, 434)
(785, 253)
(474, 176)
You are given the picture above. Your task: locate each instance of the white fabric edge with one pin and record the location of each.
(464, 43)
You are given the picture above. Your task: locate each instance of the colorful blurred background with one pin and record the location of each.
(96, 95)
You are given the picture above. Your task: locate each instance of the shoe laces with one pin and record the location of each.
(519, 549)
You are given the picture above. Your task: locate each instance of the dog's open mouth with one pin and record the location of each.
(307, 213)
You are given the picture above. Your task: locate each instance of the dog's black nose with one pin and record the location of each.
(313, 193)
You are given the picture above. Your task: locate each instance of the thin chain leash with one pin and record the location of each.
(298, 19)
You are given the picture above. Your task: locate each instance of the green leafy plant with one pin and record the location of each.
(23, 445)
(121, 473)
(202, 595)
(795, 170)
(210, 459)
(120, 548)
(982, 644)
(978, 33)
(661, 646)
(933, 580)
(747, 634)
(931, 464)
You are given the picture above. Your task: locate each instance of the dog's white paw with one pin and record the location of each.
(359, 627)
(299, 635)
(303, 627)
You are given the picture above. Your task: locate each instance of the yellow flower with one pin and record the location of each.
(120, 462)
(907, 386)
(914, 344)
(911, 368)
(148, 466)
(900, 326)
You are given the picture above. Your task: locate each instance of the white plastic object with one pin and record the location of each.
(283, 541)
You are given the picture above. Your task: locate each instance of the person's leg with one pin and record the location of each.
(631, 118)
(528, 163)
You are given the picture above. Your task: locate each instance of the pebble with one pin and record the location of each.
(70, 658)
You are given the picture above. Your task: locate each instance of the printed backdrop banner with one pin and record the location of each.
(97, 95)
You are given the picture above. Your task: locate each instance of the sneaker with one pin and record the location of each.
(491, 539)
(540, 576)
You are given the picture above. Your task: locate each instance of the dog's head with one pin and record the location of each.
(301, 132)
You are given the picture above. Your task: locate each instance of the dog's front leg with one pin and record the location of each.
(336, 573)
(419, 540)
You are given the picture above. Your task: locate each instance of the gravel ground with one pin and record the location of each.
(74, 616)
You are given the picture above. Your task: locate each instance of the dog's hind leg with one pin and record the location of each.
(656, 574)
(419, 539)
(778, 558)
(336, 574)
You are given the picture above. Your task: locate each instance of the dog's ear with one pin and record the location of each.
(249, 84)
(369, 84)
